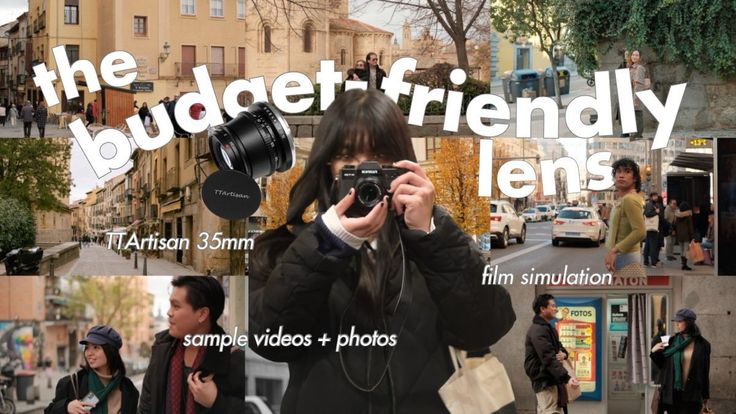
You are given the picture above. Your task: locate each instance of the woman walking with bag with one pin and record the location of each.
(101, 386)
(685, 231)
(684, 368)
(627, 221)
(41, 115)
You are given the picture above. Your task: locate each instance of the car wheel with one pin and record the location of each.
(505, 238)
(521, 239)
(555, 242)
(597, 242)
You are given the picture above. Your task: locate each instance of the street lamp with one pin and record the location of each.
(165, 53)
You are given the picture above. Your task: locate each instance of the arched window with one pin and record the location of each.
(380, 58)
(267, 39)
(343, 53)
(308, 34)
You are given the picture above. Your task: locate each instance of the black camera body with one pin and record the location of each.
(371, 182)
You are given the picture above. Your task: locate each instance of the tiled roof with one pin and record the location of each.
(354, 26)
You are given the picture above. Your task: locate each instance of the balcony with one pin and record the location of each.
(172, 180)
(216, 70)
(140, 213)
(203, 146)
(154, 211)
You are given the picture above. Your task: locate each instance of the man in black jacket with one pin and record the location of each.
(544, 356)
(184, 379)
(373, 74)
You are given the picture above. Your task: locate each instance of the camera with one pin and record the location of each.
(371, 181)
(257, 142)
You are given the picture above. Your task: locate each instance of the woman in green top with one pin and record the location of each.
(627, 222)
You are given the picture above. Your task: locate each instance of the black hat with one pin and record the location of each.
(683, 314)
(101, 335)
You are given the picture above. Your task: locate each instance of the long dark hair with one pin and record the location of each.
(358, 121)
(691, 328)
(114, 360)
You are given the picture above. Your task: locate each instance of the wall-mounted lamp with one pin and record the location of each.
(166, 52)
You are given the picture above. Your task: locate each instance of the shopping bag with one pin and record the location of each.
(696, 252)
(573, 391)
(478, 386)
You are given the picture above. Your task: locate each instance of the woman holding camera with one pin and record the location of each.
(400, 269)
(101, 386)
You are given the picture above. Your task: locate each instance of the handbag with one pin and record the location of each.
(696, 252)
(478, 386)
(573, 391)
(651, 223)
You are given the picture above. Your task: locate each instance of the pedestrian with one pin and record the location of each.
(685, 231)
(354, 73)
(89, 114)
(347, 272)
(3, 113)
(145, 115)
(135, 107)
(94, 111)
(103, 375)
(605, 213)
(373, 74)
(684, 367)
(41, 115)
(13, 114)
(184, 378)
(26, 115)
(627, 219)
(669, 217)
(651, 224)
(543, 358)
(638, 75)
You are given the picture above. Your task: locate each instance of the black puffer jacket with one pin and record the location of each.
(540, 362)
(308, 291)
(697, 387)
(65, 394)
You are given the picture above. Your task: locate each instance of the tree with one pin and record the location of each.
(17, 227)
(541, 18)
(455, 179)
(460, 19)
(277, 196)
(35, 171)
(112, 300)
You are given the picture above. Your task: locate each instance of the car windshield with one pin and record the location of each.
(574, 214)
(530, 210)
(542, 208)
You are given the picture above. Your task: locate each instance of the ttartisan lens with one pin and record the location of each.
(257, 142)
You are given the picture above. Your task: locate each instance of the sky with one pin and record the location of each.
(11, 9)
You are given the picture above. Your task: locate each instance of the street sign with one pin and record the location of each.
(699, 143)
(141, 86)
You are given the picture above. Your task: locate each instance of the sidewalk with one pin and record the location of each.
(96, 260)
(674, 268)
(52, 131)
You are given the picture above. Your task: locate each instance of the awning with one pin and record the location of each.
(174, 205)
(694, 160)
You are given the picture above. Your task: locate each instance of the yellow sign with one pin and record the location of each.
(699, 143)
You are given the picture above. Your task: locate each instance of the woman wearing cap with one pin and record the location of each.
(684, 364)
(103, 376)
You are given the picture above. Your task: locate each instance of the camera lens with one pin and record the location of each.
(369, 193)
(257, 142)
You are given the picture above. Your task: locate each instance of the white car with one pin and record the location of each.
(578, 224)
(531, 214)
(546, 211)
(255, 405)
(505, 224)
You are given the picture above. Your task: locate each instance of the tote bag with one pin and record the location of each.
(478, 386)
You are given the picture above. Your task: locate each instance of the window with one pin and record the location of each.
(217, 9)
(188, 59)
(72, 53)
(140, 25)
(308, 37)
(241, 61)
(71, 14)
(433, 145)
(240, 9)
(186, 7)
(380, 58)
(266, 39)
(342, 57)
(218, 60)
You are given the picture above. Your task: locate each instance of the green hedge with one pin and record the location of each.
(17, 226)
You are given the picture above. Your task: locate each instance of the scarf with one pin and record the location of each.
(101, 390)
(675, 350)
(176, 380)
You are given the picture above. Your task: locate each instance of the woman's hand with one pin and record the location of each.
(77, 407)
(611, 260)
(658, 347)
(413, 196)
(364, 227)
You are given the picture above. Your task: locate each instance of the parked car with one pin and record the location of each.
(532, 214)
(546, 212)
(578, 224)
(256, 405)
(506, 223)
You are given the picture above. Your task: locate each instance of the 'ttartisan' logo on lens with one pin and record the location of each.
(231, 194)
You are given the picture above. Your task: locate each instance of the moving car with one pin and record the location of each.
(506, 223)
(546, 211)
(532, 214)
(578, 224)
